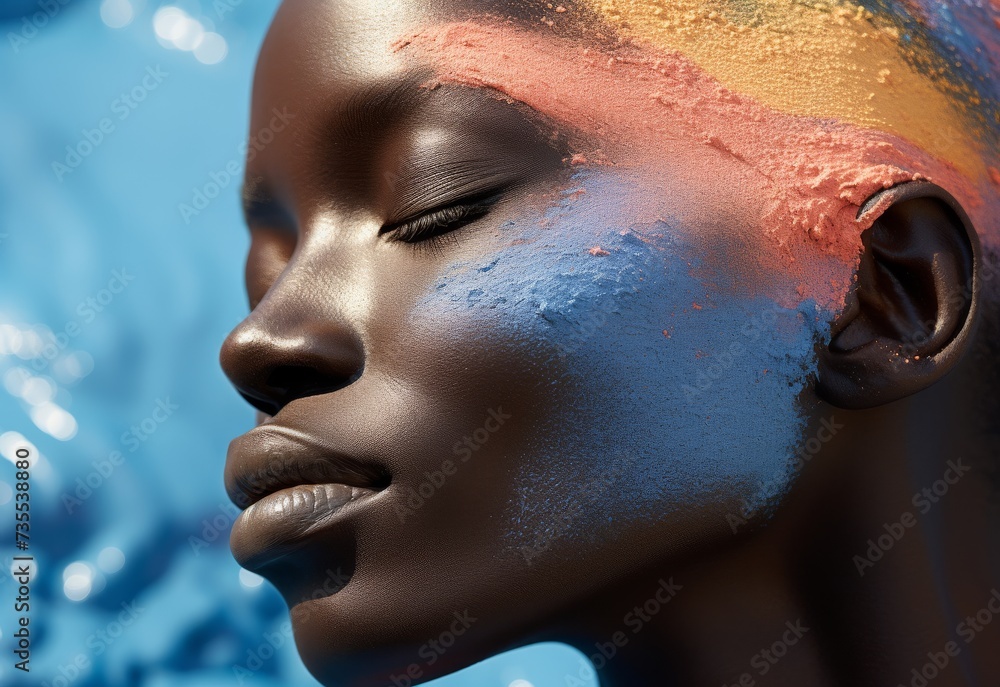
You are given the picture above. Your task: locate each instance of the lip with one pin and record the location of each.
(291, 487)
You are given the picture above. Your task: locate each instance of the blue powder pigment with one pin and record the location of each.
(954, 33)
(675, 405)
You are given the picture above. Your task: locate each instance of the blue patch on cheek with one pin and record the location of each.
(688, 396)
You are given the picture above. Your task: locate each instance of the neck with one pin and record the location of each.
(867, 573)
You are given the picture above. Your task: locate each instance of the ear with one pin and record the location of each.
(909, 318)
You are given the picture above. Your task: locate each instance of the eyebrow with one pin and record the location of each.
(380, 104)
(372, 108)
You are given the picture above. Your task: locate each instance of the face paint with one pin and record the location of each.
(660, 111)
(668, 366)
(829, 59)
(597, 372)
(959, 42)
(622, 289)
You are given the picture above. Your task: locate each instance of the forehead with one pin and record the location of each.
(920, 69)
(917, 69)
(823, 103)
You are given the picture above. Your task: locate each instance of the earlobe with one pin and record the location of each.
(909, 316)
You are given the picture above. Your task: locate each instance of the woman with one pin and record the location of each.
(666, 330)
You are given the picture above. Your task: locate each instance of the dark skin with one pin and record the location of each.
(362, 384)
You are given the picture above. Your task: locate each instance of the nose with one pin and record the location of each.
(285, 350)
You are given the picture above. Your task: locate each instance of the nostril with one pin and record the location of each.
(287, 382)
(273, 361)
(264, 405)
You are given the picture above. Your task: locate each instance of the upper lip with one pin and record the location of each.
(272, 457)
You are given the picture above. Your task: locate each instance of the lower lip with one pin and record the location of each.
(279, 522)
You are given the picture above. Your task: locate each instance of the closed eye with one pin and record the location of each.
(440, 220)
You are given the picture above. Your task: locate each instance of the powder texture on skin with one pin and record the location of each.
(651, 440)
(830, 58)
(644, 107)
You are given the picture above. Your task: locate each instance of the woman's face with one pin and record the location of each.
(514, 348)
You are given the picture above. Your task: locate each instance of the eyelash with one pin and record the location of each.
(436, 223)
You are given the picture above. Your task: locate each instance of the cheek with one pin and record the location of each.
(673, 392)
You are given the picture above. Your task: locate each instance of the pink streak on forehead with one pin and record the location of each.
(646, 108)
